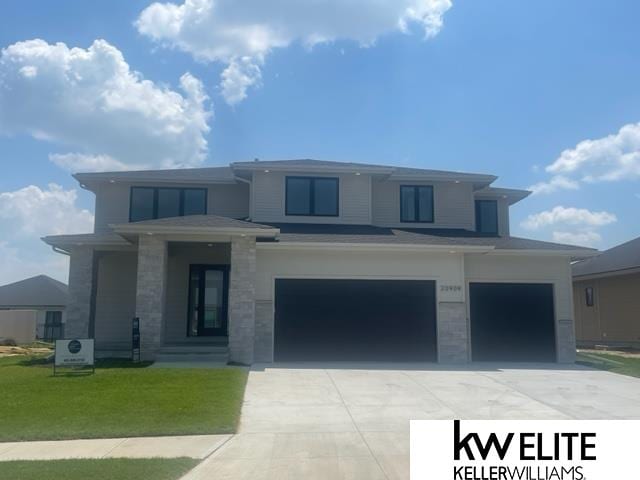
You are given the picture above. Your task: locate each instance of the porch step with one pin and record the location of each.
(193, 353)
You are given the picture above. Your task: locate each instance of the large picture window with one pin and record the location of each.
(148, 203)
(312, 196)
(487, 216)
(416, 203)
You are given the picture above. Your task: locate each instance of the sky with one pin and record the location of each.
(543, 94)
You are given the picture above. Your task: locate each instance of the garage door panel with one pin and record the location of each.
(512, 322)
(355, 320)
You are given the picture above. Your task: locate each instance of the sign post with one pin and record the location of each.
(78, 352)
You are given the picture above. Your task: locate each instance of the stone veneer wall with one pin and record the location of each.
(242, 293)
(80, 284)
(264, 331)
(566, 341)
(453, 333)
(150, 293)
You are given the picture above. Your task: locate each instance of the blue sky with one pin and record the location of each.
(500, 87)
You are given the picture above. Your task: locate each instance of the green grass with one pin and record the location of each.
(121, 399)
(105, 469)
(611, 362)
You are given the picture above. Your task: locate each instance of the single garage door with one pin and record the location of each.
(355, 320)
(512, 322)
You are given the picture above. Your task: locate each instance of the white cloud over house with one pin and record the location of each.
(570, 225)
(26, 215)
(612, 158)
(241, 34)
(90, 102)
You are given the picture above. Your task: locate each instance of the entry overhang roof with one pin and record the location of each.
(198, 224)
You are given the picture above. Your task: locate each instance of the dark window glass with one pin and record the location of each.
(487, 216)
(142, 204)
(416, 203)
(325, 196)
(53, 328)
(148, 203)
(195, 201)
(168, 202)
(311, 196)
(588, 292)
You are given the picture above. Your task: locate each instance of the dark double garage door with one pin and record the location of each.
(360, 320)
(395, 320)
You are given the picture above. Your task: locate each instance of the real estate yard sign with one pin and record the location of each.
(78, 352)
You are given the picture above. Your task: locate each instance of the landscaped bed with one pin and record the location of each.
(618, 362)
(105, 469)
(121, 399)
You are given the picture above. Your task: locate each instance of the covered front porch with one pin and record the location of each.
(189, 280)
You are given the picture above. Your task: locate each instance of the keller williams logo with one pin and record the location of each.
(557, 455)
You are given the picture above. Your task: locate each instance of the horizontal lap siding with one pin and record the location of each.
(269, 199)
(453, 204)
(115, 299)
(112, 202)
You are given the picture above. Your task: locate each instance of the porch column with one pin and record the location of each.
(150, 293)
(80, 292)
(242, 292)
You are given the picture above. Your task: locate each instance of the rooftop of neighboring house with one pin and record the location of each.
(38, 291)
(624, 258)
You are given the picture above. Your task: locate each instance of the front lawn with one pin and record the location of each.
(105, 469)
(612, 362)
(120, 400)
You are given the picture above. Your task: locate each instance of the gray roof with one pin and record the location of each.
(191, 175)
(195, 221)
(394, 171)
(39, 291)
(315, 233)
(616, 259)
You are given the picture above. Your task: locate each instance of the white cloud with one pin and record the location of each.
(228, 30)
(612, 158)
(89, 100)
(238, 77)
(28, 214)
(577, 226)
(587, 239)
(557, 182)
(568, 216)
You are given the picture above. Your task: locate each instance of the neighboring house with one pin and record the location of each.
(607, 297)
(45, 297)
(314, 260)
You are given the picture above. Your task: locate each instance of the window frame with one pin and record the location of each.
(312, 202)
(155, 199)
(478, 216)
(416, 206)
(589, 297)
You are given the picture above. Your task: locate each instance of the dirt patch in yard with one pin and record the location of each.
(10, 351)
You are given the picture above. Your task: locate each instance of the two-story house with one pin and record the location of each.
(312, 260)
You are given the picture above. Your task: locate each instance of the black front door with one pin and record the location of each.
(208, 292)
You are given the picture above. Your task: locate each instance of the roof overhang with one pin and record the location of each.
(395, 247)
(132, 228)
(612, 273)
(261, 167)
(512, 195)
(577, 254)
(99, 242)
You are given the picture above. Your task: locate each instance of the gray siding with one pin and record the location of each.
(268, 203)
(453, 205)
(112, 202)
(115, 300)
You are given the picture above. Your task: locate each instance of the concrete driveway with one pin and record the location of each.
(348, 421)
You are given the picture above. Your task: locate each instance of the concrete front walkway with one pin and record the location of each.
(194, 446)
(338, 421)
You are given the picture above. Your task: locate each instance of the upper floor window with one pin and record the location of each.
(148, 203)
(312, 196)
(416, 203)
(487, 216)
